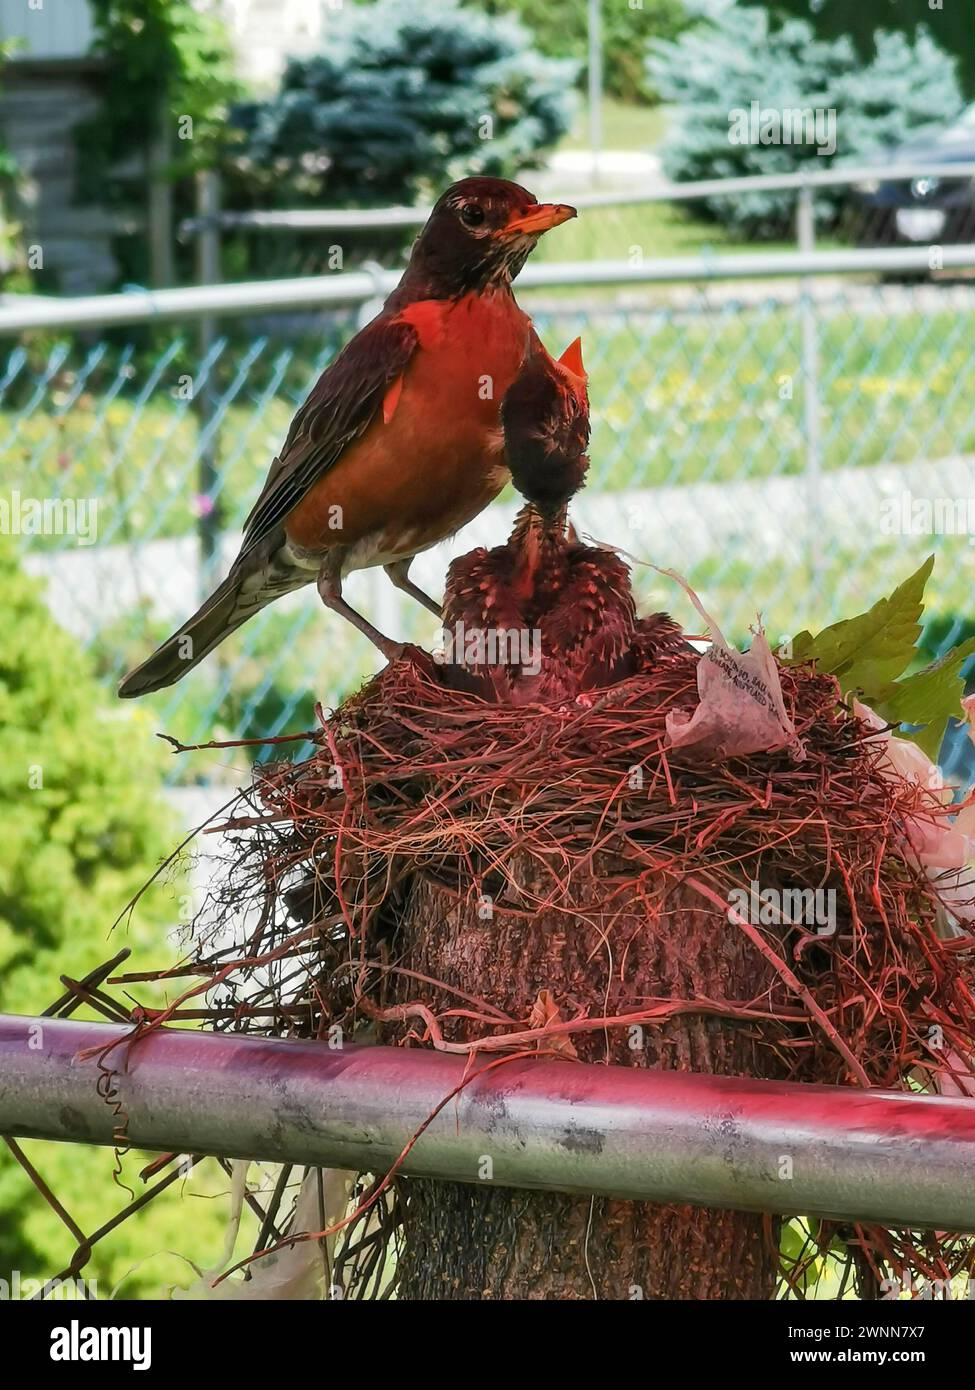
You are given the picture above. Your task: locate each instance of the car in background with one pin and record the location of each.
(929, 208)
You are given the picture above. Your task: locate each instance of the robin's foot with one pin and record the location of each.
(399, 573)
(330, 592)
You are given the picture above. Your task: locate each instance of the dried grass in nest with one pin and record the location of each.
(410, 780)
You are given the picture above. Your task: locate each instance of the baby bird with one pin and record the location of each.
(548, 615)
(545, 617)
(545, 417)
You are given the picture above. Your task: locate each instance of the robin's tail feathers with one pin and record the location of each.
(239, 597)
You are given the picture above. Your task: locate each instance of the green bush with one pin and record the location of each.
(165, 59)
(79, 790)
(860, 22)
(409, 94)
(562, 31)
(737, 55)
(82, 827)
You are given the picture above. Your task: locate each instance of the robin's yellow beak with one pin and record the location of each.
(539, 218)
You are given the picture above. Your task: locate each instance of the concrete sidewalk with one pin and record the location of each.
(681, 526)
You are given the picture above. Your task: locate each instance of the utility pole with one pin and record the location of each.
(595, 85)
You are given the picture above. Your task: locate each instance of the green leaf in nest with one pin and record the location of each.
(929, 697)
(867, 653)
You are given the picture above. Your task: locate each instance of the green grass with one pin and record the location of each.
(701, 398)
(618, 233)
(650, 230)
(625, 126)
(139, 462)
(739, 587)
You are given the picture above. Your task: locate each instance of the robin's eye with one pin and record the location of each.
(472, 214)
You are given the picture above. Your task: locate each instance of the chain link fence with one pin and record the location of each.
(794, 446)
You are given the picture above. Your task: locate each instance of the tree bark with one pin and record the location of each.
(477, 1241)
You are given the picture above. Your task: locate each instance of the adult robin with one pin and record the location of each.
(400, 442)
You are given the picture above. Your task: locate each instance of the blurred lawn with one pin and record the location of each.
(740, 587)
(625, 126)
(620, 233)
(650, 230)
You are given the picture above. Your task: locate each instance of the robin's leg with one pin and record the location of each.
(399, 573)
(330, 591)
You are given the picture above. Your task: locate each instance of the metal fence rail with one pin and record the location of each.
(145, 307)
(768, 437)
(878, 1156)
(804, 185)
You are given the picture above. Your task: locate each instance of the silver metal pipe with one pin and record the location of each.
(196, 301)
(594, 82)
(355, 287)
(365, 219)
(882, 1156)
(749, 265)
(312, 219)
(666, 192)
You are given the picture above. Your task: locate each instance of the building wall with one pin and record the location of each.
(40, 103)
(266, 33)
(48, 86)
(47, 28)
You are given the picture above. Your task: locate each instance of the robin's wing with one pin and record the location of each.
(347, 397)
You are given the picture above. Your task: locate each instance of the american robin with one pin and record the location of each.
(543, 616)
(400, 443)
(545, 419)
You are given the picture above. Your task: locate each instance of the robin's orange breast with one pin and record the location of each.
(416, 477)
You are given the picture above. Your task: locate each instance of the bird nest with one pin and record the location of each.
(414, 783)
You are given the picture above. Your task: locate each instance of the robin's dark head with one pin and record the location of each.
(480, 233)
(545, 415)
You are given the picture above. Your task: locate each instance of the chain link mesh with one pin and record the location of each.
(794, 450)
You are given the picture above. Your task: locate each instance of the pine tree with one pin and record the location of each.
(407, 94)
(562, 30)
(740, 54)
(910, 88)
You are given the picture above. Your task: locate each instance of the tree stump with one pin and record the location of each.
(478, 1241)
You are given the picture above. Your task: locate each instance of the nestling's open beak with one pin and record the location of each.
(540, 218)
(571, 359)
